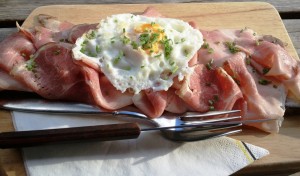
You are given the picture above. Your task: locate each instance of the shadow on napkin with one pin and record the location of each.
(150, 154)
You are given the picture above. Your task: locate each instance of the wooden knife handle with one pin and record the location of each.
(40, 137)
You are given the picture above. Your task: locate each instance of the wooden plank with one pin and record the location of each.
(18, 10)
(293, 28)
(259, 16)
(11, 159)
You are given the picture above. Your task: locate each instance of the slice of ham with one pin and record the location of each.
(151, 103)
(78, 30)
(260, 101)
(15, 50)
(174, 103)
(7, 82)
(52, 74)
(152, 12)
(264, 53)
(273, 61)
(209, 89)
(105, 95)
(263, 101)
(53, 24)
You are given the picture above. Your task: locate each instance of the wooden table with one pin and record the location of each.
(11, 162)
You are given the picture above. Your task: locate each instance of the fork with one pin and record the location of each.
(191, 126)
(175, 129)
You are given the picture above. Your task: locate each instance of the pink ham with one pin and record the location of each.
(53, 24)
(7, 82)
(263, 101)
(152, 12)
(52, 74)
(15, 50)
(209, 89)
(229, 83)
(151, 103)
(273, 61)
(174, 103)
(78, 30)
(105, 95)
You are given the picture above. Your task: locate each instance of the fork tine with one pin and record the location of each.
(192, 120)
(208, 114)
(212, 127)
(189, 137)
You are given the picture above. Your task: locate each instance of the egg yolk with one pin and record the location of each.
(150, 36)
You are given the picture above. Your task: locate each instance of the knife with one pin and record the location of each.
(98, 132)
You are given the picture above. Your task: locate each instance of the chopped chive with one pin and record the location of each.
(125, 40)
(205, 45)
(186, 52)
(210, 50)
(216, 97)
(98, 49)
(91, 54)
(157, 55)
(127, 68)
(91, 35)
(84, 42)
(134, 45)
(56, 52)
(209, 64)
(31, 65)
(264, 82)
(171, 62)
(175, 69)
(211, 108)
(118, 58)
(265, 70)
(83, 50)
(232, 48)
(248, 61)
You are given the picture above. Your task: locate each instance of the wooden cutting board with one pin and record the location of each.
(262, 17)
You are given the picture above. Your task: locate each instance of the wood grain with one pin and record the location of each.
(284, 147)
(18, 10)
(293, 27)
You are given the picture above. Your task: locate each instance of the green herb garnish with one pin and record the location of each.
(265, 70)
(209, 64)
(264, 82)
(232, 48)
(31, 65)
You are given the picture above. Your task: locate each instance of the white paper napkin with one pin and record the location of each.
(150, 154)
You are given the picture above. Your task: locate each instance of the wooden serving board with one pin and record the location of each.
(262, 17)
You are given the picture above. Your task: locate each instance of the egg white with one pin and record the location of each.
(116, 46)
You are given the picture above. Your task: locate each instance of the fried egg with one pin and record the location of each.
(137, 52)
